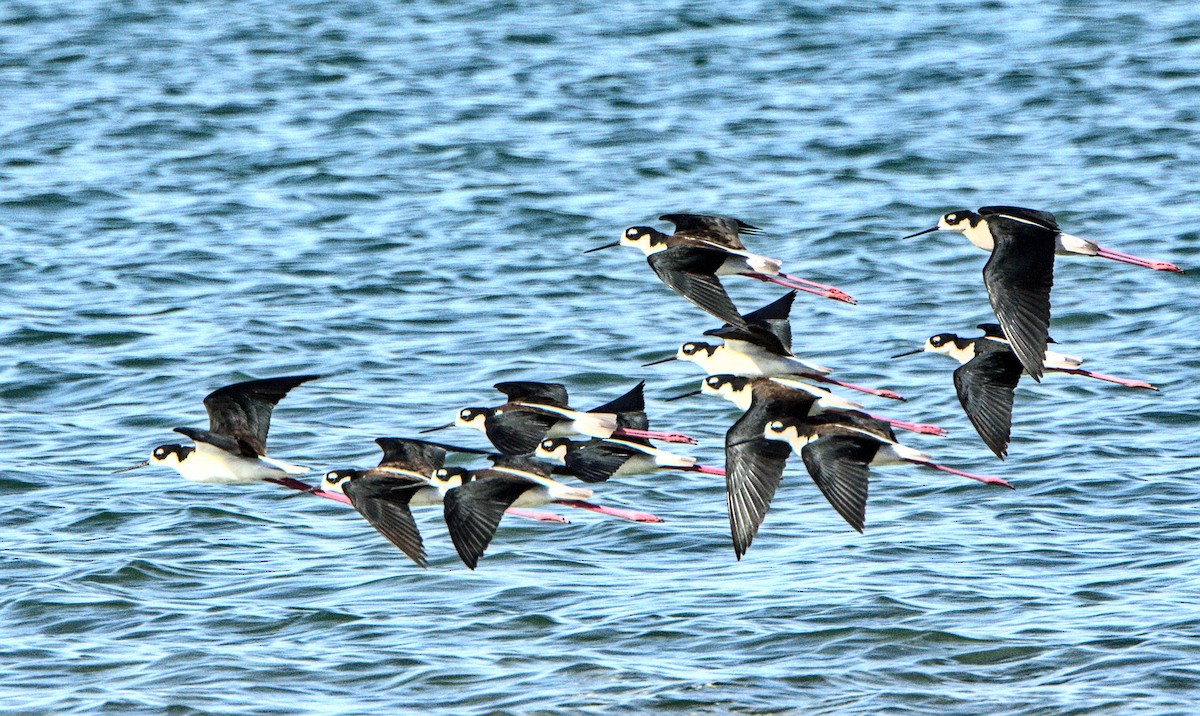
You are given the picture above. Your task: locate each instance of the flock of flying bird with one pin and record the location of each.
(785, 407)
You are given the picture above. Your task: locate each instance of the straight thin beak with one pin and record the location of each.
(434, 430)
(143, 463)
(658, 362)
(297, 493)
(909, 353)
(743, 442)
(685, 395)
(926, 231)
(601, 248)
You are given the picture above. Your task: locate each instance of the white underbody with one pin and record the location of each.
(213, 465)
(596, 425)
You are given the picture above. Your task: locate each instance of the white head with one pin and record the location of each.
(698, 353)
(335, 480)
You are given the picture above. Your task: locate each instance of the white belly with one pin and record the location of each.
(224, 468)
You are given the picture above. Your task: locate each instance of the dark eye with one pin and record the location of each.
(689, 348)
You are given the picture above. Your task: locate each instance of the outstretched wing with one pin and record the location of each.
(419, 456)
(383, 501)
(1019, 276)
(517, 431)
(529, 391)
(721, 230)
(753, 471)
(775, 317)
(690, 272)
(597, 460)
(473, 512)
(839, 464)
(243, 410)
(985, 386)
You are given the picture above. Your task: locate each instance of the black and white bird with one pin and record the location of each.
(535, 411)
(754, 465)
(988, 376)
(474, 509)
(1019, 274)
(762, 348)
(234, 448)
(740, 391)
(838, 451)
(704, 247)
(598, 460)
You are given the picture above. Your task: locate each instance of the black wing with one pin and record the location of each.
(690, 272)
(633, 401)
(993, 330)
(839, 464)
(721, 230)
(775, 317)
(596, 460)
(473, 512)
(1019, 276)
(383, 501)
(517, 431)
(753, 470)
(219, 440)
(1042, 218)
(757, 335)
(243, 410)
(528, 391)
(985, 386)
(417, 456)
(630, 410)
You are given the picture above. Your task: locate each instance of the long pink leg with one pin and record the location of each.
(536, 515)
(1138, 261)
(835, 294)
(703, 469)
(979, 478)
(611, 511)
(655, 435)
(891, 395)
(922, 428)
(814, 284)
(1127, 382)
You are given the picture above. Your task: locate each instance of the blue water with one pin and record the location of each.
(397, 197)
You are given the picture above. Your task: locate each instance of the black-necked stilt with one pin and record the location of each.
(413, 461)
(1018, 275)
(740, 391)
(837, 451)
(234, 448)
(597, 460)
(474, 509)
(989, 374)
(531, 415)
(761, 348)
(703, 248)
(384, 497)
(753, 465)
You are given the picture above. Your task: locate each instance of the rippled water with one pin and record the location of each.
(397, 198)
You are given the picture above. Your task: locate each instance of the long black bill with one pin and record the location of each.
(434, 430)
(143, 463)
(926, 231)
(685, 395)
(297, 493)
(601, 248)
(909, 353)
(658, 362)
